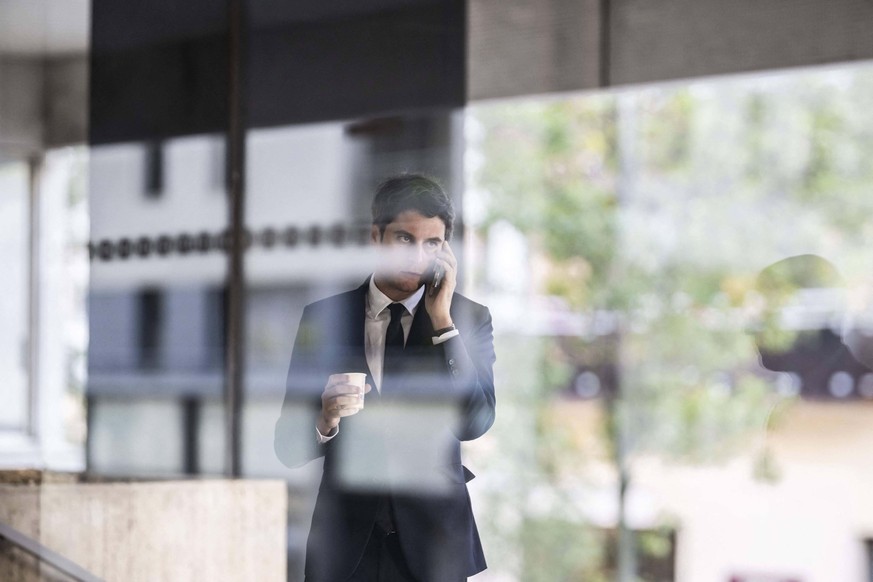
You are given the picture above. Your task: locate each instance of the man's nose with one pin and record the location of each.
(418, 255)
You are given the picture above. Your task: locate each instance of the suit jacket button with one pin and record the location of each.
(451, 362)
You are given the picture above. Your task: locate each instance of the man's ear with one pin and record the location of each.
(375, 234)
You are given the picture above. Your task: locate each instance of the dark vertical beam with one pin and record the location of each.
(90, 423)
(235, 273)
(869, 546)
(191, 434)
(154, 168)
(150, 314)
(604, 73)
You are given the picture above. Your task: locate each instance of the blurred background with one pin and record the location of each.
(665, 206)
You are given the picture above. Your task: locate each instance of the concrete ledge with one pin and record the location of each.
(171, 530)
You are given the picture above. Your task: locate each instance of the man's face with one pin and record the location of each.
(407, 250)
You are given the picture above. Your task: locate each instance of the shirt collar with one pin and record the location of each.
(378, 301)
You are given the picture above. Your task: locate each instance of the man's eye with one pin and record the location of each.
(404, 238)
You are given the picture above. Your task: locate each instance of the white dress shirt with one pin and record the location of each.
(376, 320)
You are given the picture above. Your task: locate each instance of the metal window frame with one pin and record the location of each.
(35, 167)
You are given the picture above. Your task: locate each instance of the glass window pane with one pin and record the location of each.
(693, 266)
(157, 305)
(14, 305)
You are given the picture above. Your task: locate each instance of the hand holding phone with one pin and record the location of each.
(440, 280)
(434, 279)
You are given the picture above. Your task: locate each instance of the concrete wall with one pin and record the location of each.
(43, 104)
(21, 122)
(175, 530)
(522, 47)
(807, 524)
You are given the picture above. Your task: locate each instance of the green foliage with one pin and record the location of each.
(525, 467)
(658, 208)
(549, 170)
(559, 550)
(666, 129)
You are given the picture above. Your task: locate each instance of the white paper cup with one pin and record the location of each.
(357, 379)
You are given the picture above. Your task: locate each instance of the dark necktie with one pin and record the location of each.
(394, 335)
(393, 341)
(393, 354)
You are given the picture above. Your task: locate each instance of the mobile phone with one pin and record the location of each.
(434, 279)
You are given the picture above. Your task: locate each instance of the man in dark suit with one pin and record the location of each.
(393, 502)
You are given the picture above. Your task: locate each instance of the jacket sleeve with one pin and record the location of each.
(295, 439)
(469, 360)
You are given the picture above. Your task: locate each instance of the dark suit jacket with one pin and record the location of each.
(436, 531)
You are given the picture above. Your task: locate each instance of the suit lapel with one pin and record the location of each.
(354, 333)
(420, 334)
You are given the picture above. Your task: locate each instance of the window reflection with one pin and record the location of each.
(630, 229)
(157, 307)
(14, 305)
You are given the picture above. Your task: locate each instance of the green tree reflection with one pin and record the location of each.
(652, 211)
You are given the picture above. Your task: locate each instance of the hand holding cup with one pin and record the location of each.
(343, 396)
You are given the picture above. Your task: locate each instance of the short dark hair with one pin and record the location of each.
(412, 192)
